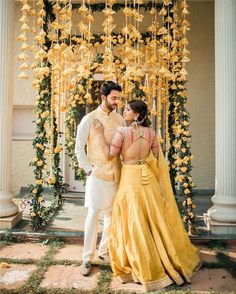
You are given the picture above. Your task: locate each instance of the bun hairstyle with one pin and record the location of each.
(108, 86)
(140, 107)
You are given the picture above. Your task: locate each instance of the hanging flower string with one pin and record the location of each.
(150, 66)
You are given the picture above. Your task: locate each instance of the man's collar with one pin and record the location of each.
(103, 111)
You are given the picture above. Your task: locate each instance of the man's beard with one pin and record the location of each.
(109, 106)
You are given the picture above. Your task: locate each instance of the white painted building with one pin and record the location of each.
(211, 103)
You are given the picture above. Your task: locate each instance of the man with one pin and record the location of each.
(103, 175)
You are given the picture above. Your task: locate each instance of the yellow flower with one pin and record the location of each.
(186, 191)
(185, 123)
(194, 206)
(63, 108)
(39, 182)
(35, 159)
(33, 214)
(154, 112)
(87, 96)
(73, 104)
(45, 114)
(40, 163)
(183, 150)
(185, 218)
(58, 149)
(189, 201)
(51, 180)
(186, 133)
(40, 146)
(185, 185)
(183, 169)
(179, 179)
(35, 191)
(191, 215)
(184, 203)
(40, 199)
(23, 75)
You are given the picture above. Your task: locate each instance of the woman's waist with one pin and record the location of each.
(132, 173)
(134, 162)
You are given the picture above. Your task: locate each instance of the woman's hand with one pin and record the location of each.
(98, 126)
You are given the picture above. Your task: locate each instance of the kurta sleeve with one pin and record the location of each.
(83, 130)
(117, 142)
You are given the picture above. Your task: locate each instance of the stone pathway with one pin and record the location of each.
(39, 268)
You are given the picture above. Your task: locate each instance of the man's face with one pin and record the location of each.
(111, 101)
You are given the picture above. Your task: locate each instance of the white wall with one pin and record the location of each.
(201, 92)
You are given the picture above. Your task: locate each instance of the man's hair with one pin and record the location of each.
(108, 86)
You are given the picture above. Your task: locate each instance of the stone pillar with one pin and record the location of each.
(222, 215)
(7, 207)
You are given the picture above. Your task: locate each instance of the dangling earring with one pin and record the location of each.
(135, 122)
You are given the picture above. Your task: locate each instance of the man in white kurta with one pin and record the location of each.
(103, 175)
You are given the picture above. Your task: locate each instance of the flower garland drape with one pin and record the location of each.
(150, 66)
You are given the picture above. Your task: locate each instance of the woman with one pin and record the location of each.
(148, 242)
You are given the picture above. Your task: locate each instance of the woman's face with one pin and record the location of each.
(128, 114)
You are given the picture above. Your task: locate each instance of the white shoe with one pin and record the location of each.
(86, 268)
(105, 258)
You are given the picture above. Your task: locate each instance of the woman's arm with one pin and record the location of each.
(116, 144)
(105, 147)
(100, 131)
(154, 146)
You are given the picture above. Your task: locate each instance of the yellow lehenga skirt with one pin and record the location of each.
(148, 242)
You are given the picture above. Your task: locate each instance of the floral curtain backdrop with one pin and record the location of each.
(149, 61)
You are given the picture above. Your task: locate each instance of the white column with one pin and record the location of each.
(7, 207)
(224, 209)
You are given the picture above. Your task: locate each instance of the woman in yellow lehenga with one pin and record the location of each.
(148, 242)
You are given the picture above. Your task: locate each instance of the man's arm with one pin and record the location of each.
(83, 130)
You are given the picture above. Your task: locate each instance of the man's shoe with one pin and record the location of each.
(105, 258)
(86, 268)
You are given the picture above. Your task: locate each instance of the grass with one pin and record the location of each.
(32, 286)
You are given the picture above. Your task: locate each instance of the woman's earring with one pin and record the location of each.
(135, 122)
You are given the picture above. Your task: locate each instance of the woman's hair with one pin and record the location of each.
(140, 107)
(108, 86)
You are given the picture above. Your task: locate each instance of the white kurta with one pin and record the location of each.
(99, 194)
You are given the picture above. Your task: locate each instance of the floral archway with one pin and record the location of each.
(65, 55)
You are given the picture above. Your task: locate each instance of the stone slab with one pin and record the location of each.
(9, 222)
(71, 218)
(66, 277)
(207, 254)
(15, 276)
(24, 251)
(213, 280)
(70, 252)
(232, 253)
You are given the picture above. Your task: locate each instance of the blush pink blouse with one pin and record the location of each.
(125, 136)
